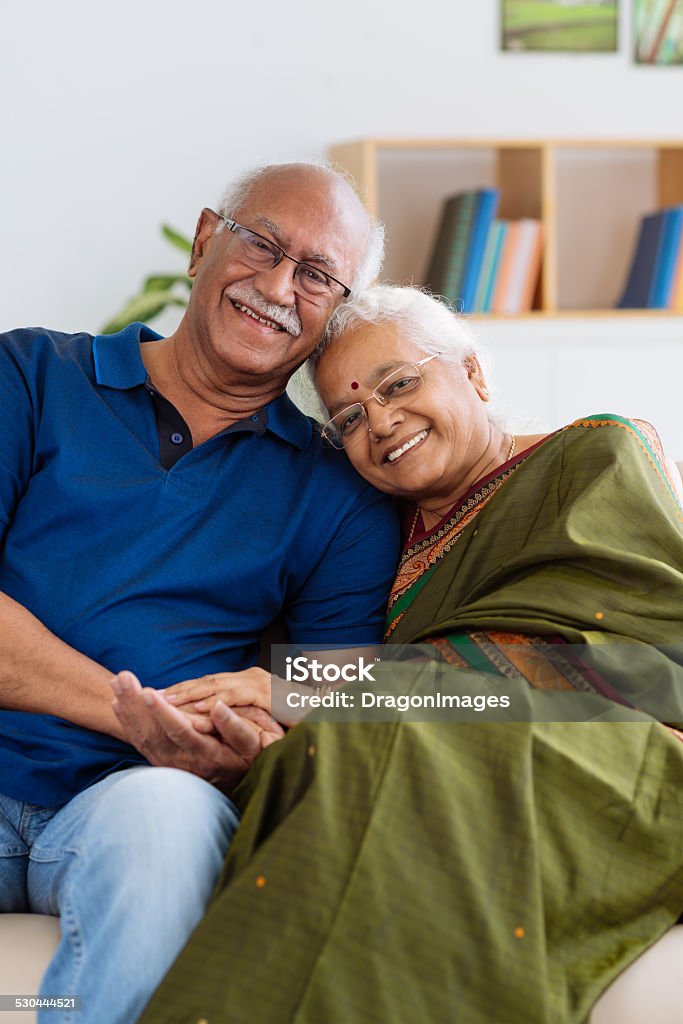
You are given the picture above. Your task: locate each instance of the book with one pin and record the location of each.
(452, 235)
(666, 259)
(499, 299)
(486, 209)
(500, 228)
(636, 294)
(486, 266)
(526, 265)
(456, 257)
(676, 294)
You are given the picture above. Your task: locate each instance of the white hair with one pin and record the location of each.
(427, 321)
(238, 191)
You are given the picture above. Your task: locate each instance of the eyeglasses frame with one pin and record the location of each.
(233, 226)
(379, 398)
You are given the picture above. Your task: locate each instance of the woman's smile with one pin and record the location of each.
(399, 452)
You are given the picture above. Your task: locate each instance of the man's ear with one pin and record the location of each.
(206, 225)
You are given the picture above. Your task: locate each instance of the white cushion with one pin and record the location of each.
(649, 991)
(27, 944)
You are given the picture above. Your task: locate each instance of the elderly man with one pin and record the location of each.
(162, 502)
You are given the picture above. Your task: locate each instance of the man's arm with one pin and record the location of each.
(40, 673)
(342, 603)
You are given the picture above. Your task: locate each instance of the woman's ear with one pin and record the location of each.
(476, 377)
(206, 225)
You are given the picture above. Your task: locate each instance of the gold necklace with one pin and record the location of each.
(419, 509)
(414, 523)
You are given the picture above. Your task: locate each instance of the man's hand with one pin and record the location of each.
(166, 736)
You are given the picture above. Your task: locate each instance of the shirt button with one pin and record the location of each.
(177, 438)
(254, 418)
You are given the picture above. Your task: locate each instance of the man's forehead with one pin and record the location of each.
(299, 191)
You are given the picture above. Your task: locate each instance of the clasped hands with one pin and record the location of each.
(214, 727)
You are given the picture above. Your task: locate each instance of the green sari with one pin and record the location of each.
(438, 871)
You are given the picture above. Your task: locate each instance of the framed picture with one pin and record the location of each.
(658, 31)
(579, 26)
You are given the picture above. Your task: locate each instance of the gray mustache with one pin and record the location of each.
(281, 315)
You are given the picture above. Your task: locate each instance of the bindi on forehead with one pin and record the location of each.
(354, 385)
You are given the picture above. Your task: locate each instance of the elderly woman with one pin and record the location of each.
(435, 871)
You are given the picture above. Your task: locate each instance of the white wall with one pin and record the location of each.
(117, 117)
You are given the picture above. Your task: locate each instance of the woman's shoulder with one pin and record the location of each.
(614, 428)
(598, 438)
(616, 433)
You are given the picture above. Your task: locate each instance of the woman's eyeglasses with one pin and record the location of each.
(352, 422)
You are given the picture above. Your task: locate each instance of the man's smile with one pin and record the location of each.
(256, 316)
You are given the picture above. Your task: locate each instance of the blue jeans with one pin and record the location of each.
(128, 865)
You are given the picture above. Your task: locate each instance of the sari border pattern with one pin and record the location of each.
(419, 559)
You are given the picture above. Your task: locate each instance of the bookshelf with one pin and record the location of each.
(588, 194)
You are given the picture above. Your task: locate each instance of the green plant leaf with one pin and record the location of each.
(176, 238)
(142, 307)
(157, 292)
(165, 282)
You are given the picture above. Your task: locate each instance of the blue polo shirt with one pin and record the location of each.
(172, 573)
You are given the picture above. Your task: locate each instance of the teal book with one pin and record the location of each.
(486, 210)
(666, 259)
(501, 228)
(489, 250)
(486, 266)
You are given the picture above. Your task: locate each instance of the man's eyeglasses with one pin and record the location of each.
(352, 422)
(261, 253)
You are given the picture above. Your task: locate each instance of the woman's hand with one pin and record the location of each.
(252, 693)
(250, 688)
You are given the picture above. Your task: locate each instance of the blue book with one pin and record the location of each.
(666, 259)
(637, 291)
(486, 210)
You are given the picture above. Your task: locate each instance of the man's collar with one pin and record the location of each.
(118, 364)
(288, 422)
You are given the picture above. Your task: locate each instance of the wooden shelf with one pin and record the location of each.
(588, 194)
